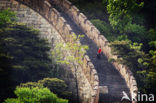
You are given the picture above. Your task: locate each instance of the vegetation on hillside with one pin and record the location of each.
(130, 27)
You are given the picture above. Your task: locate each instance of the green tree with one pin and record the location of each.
(55, 85)
(120, 12)
(151, 35)
(147, 77)
(135, 32)
(142, 64)
(35, 95)
(76, 51)
(128, 52)
(74, 47)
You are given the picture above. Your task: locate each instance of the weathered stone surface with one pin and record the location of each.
(84, 26)
(88, 29)
(103, 89)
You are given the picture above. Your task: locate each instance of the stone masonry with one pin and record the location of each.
(67, 19)
(93, 33)
(57, 32)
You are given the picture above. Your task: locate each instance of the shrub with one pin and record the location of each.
(101, 25)
(31, 85)
(56, 85)
(135, 32)
(151, 34)
(6, 16)
(35, 95)
(104, 28)
(128, 53)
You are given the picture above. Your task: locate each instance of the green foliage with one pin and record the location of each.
(121, 12)
(31, 85)
(12, 100)
(149, 75)
(143, 65)
(111, 60)
(104, 28)
(6, 16)
(123, 18)
(73, 47)
(93, 10)
(151, 34)
(105, 2)
(148, 79)
(35, 95)
(152, 53)
(122, 37)
(55, 85)
(75, 54)
(26, 51)
(101, 25)
(135, 32)
(128, 53)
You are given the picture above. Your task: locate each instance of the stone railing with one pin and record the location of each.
(44, 8)
(94, 34)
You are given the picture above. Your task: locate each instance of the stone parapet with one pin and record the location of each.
(94, 34)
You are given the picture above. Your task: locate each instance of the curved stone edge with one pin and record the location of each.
(44, 8)
(93, 33)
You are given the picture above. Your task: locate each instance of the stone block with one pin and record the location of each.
(23, 6)
(56, 1)
(100, 40)
(81, 18)
(103, 89)
(67, 5)
(47, 3)
(52, 14)
(96, 78)
(134, 83)
(91, 65)
(135, 89)
(74, 12)
(46, 9)
(127, 77)
(87, 58)
(94, 93)
(55, 16)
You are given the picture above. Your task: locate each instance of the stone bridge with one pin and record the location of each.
(106, 80)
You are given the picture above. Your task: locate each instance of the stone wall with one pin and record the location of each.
(31, 18)
(94, 34)
(88, 88)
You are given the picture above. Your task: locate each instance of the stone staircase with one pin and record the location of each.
(108, 75)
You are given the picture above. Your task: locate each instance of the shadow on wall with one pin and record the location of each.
(23, 57)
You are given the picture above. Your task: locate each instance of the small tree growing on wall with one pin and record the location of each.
(70, 53)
